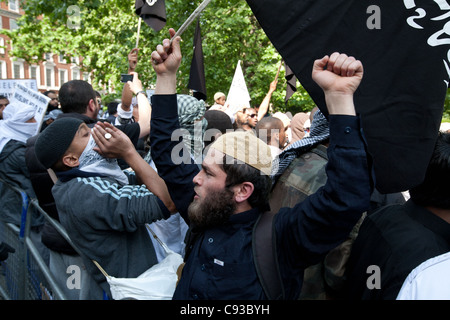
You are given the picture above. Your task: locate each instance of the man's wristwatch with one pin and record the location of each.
(143, 92)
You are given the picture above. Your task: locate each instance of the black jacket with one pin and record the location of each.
(220, 264)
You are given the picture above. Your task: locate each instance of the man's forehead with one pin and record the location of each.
(213, 158)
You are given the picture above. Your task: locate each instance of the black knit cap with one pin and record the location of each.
(54, 140)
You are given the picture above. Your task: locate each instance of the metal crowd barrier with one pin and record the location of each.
(24, 275)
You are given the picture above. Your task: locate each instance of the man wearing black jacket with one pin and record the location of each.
(223, 201)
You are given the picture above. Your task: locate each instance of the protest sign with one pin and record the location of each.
(31, 97)
(8, 86)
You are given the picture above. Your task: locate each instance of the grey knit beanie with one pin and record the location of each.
(54, 140)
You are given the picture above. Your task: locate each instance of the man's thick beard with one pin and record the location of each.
(215, 209)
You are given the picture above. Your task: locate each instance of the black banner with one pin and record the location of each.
(404, 47)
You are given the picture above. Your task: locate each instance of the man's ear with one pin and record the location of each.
(71, 160)
(243, 191)
(92, 106)
(276, 135)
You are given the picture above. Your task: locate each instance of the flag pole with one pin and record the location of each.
(191, 19)
(279, 68)
(138, 32)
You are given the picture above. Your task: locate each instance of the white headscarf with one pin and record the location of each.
(14, 126)
(92, 161)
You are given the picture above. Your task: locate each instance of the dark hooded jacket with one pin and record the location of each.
(15, 173)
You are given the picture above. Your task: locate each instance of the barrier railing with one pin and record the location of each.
(24, 275)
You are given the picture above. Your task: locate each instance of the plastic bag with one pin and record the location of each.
(157, 283)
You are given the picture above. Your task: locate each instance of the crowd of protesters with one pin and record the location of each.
(109, 177)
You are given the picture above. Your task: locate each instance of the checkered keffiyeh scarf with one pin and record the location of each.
(190, 111)
(319, 132)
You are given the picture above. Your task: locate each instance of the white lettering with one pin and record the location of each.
(73, 281)
(438, 38)
(74, 19)
(374, 281)
(197, 310)
(374, 21)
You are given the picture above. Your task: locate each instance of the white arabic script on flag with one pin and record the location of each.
(436, 38)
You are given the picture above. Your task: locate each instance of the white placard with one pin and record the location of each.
(31, 97)
(8, 86)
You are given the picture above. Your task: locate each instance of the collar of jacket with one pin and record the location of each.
(65, 176)
(428, 219)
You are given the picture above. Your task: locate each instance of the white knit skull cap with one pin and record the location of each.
(246, 147)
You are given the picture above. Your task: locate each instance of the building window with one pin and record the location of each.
(13, 24)
(18, 70)
(34, 74)
(48, 57)
(75, 60)
(49, 76)
(86, 76)
(62, 76)
(13, 5)
(2, 69)
(75, 75)
(61, 59)
(2, 44)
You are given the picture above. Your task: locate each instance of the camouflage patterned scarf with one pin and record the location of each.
(319, 132)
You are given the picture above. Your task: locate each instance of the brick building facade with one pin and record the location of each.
(50, 74)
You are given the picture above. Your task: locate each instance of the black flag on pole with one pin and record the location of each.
(404, 47)
(291, 82)
(153, 12)
(197, 81)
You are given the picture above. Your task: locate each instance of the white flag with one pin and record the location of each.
(238, 96)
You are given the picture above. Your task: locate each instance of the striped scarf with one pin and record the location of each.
(319, 132)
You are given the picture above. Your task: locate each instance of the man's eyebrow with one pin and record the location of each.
(205, 166)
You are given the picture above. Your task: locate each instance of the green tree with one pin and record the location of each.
(104, 31)
(446, 115)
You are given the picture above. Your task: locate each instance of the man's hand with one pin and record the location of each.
(339, 76)
(166, 59)
(135, 85)
(273, 86)
(117, 146)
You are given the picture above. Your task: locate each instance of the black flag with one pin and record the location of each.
(153, 12)
(291, 82)
(404, 48)
(197, 81)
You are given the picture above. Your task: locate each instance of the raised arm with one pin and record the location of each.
(264, 106)
(166, 60)
(127, 94)
(136, 88)
(339, 76)
(324, 219)
(178, 175)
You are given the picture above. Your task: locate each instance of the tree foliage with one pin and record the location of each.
(106, 31)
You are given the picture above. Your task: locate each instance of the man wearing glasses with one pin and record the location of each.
(246, 119)
(252, 117)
